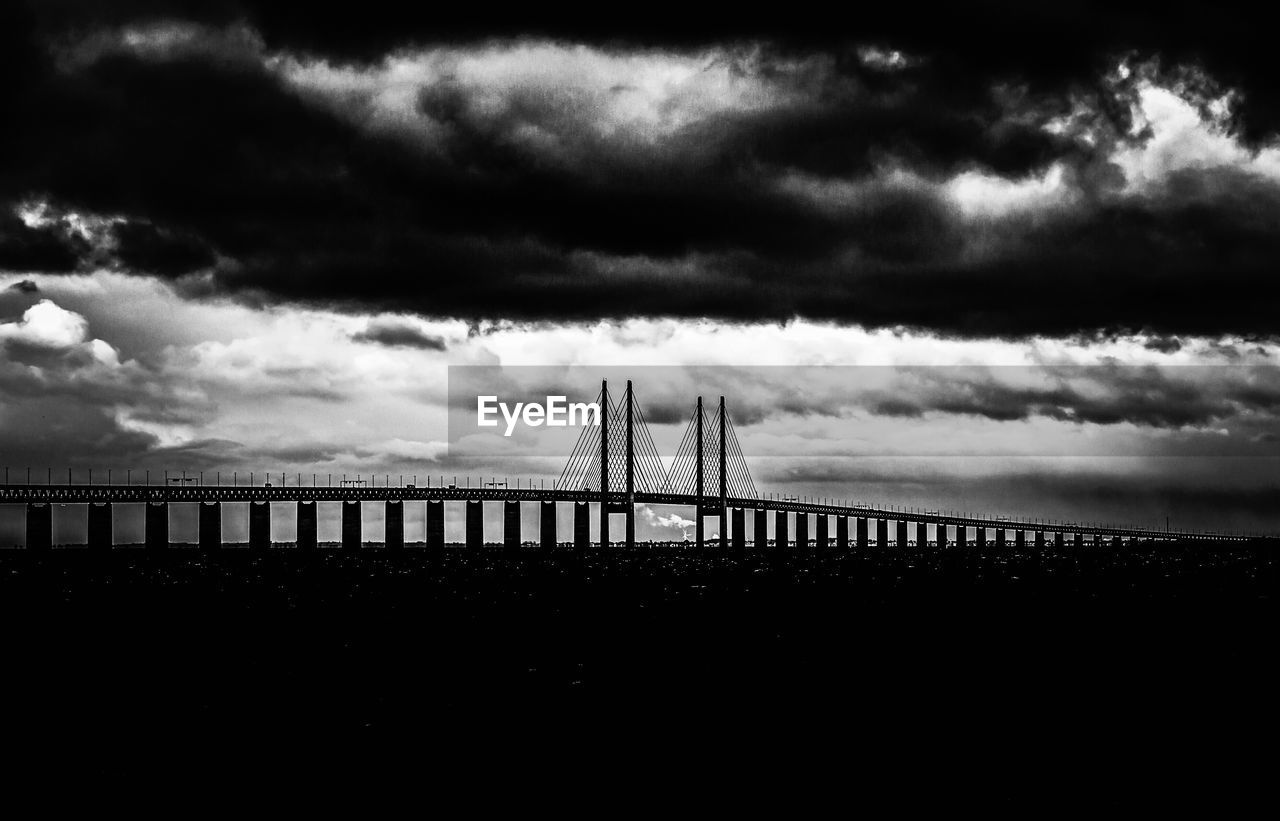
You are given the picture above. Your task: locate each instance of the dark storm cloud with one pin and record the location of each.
(529, 208)
(24, 248)
(144, 247)
(1151, 397)
(26, 286)
(395, 335)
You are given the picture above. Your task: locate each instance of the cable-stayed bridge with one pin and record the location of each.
(613, 467)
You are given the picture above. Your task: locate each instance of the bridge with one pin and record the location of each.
(614, 467)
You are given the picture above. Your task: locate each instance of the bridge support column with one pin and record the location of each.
(739, 531)
(1078, 540)
(1000, 536)
(259, 525)
(511, 528)
(781, 538)
(1059, 540)
(940, 534)
(352, 535)
(821, 540)
(1039, 540)
(39, 526)
(922, 534)
(100, 526)
(699, 537)
(882, 533)
(307, 526)
(762, 530)
(631, 526)
(547, 526)
(842, 533)
(393, 530)
(1116, 542)
(962, 536)
(435, 530)
(724, 528)
(475, 525)
(802, 532)
(1020, 538)
(861, 533)
(901, 537)
(581, 525)
(155, 525)
(210, 524)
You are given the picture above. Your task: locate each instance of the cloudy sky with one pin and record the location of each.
(250, 237)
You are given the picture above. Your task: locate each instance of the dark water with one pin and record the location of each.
(1008, 663)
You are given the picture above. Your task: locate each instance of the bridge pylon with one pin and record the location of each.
(616, 459)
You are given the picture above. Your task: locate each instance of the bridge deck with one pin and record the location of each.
(122, 494)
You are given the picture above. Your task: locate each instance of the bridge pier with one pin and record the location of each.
(940, 534)
(210, 526)
(435, 530)
(962, 536)
(352, 535)
(699, 537)
(802, 532)
(861, 532)
(475, 525)
(393, 530)
(1058, 539)
(882, 533)
(100, 526)
(842, 533)
(781, 539)
(901, 536)
(631, 525)
(156, 525)
(1020, 538)
(259, 525)
(1039, 540)
(1116, 542)
(821, 542)
(307, 526)
(39, 526)
(1000, 536)
(739, 531)
(547, 526)
(762, 530)
(1078, 540)
(581, 525)
(511, 528)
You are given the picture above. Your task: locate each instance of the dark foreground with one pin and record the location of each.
(1100, 665)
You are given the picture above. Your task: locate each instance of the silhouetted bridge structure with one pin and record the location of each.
(614, 467)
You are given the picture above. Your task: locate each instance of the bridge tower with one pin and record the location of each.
(604, 463)
(631, 470)
(724, 505)
(699, 540)
(619, 454)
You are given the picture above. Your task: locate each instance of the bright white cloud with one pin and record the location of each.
(46, 325)
(1172, 134)
(545, 92)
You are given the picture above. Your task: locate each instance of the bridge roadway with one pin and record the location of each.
(139, 494)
